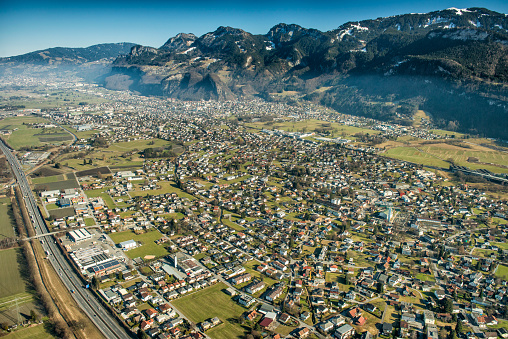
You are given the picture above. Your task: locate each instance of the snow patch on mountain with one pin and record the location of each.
(459, 11)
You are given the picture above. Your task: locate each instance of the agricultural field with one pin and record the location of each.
(12, 282)
(58, 182)
(23, 135)
(213, 302)
(148, 239)
(62, 212)
(468, 153)
(460, 156)
(7, 226)
(414, 155)
(41, 97)
(48, 170)
(49, 179)
(13, 286)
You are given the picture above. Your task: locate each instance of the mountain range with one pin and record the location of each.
(451, 63)
(68, 55)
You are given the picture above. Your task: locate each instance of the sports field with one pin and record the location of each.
(213, 302)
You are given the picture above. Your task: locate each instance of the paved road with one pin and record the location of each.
(101, 317)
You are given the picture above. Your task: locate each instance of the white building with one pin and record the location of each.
(128, 245)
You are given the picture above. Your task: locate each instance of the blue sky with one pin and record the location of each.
(26, 26)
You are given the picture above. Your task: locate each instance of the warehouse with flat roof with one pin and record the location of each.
(80, 235)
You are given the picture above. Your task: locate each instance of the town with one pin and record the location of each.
(266, 220)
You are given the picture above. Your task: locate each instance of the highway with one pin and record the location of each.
(100, 316)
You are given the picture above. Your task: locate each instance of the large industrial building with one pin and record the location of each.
(80, 235)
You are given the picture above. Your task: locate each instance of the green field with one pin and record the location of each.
(232, 224)
(213, 302)
(149, 246)
(118, 156)
(47, 180)
(24, 135)
(413, 155)
(12, 281)
(439, 155)
(460, 156)
(42, 97)
(14, 290)
(502, 271)
(35, 332)
(425, 277)
(138, 145)
(7, 225)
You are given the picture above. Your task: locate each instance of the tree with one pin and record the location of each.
(448, 305)
(33, 315)
(380, 288)
(142, 335)
(57, 165)
(120, 275)
(443, 333)
(459, 327)
(95, 283)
